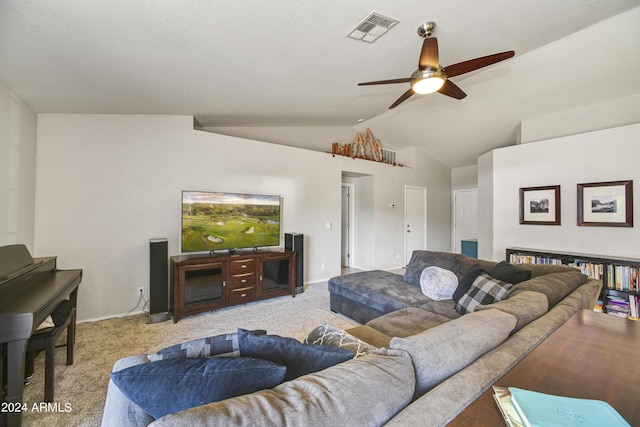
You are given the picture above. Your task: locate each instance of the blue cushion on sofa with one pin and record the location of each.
(300, 359)
(169, 386)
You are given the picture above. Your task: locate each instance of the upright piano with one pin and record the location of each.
(30, 289)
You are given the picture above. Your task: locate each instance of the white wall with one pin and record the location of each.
(605, 155)
(108, 183)
(18, 127)
(588, 118)
(464, 178)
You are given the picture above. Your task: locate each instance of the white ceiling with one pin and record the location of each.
(288, 63)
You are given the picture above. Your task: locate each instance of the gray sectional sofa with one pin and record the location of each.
(418, 361)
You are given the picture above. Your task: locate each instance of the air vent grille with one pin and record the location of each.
(372, 27)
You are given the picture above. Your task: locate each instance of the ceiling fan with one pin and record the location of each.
(431, 76)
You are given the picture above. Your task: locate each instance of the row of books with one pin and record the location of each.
(516, 258)
(590, 269)
(619, 277)
(526, 408)
(623, 278)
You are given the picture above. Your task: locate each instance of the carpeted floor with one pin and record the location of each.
(80, 389)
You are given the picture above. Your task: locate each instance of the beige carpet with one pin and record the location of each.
(81, 388)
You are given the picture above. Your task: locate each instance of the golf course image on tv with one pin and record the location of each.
(216, 221)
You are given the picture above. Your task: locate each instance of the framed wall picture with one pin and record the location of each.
(608, 204)
(540, 205)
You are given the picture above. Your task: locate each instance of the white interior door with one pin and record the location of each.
(415, 214)
(466, 216)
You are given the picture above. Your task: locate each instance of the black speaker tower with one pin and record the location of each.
(158, 280)
(294, 242)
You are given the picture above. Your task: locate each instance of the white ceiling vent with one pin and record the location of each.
(372, 27)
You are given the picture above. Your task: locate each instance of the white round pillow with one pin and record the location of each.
(438, 283)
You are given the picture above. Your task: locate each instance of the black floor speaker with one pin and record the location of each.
(158, 280)
(294, 242)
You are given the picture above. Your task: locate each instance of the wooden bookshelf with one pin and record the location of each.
(620, 276)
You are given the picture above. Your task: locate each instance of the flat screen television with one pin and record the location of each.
(214, 221)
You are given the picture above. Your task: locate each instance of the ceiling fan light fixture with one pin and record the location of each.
(427, 81)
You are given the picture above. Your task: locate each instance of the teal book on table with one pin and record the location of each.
(547, 410)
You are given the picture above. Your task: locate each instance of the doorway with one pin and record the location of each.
(465, 221)
(415, 215)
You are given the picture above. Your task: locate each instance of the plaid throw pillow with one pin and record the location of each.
(484, 290)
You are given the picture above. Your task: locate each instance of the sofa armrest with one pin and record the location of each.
(118, 409)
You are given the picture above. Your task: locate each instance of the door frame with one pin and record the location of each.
(407, 257)
(352, 224)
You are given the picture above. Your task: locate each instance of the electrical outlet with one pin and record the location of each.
(140, 291)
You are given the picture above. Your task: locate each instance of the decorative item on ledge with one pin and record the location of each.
(358, 150)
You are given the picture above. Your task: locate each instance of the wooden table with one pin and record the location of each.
(592, 356)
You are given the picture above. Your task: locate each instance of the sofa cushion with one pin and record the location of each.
(484, 290)
(555, 286)
(440, 352)
(423, 259)
(300, 359)
(406, 322)
(172, 385)
(330, 335)
(438, 283)
(370, 336)
(446, 308)
(381, 290)
(509, 273)
(217, 345)
(366, 391)
(465, 264)
(526, 306)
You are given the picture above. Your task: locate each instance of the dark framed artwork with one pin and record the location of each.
(540, 205)
(607, 204)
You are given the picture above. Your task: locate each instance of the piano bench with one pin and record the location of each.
(45, 339)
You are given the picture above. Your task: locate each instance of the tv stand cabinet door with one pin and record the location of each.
(199, 287)
(277, 275)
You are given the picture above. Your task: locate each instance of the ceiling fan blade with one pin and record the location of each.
(429, 54)
(403, 98)
(477, 63)
(386, 82)
(449, 88)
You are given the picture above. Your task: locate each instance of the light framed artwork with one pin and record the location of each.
(540, 205)
(606, 204)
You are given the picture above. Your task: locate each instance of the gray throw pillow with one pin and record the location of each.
(440, 352)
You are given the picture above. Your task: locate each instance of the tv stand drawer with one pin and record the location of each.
(239, 296)
(242, 266)
(242, 280)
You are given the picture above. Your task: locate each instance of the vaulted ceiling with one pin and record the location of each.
(289, 63)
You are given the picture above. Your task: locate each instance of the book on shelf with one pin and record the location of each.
(634, 306)
(528, 408)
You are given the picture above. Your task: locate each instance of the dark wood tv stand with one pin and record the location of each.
(204, 282)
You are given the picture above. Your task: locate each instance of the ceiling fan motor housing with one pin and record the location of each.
(426, 29)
